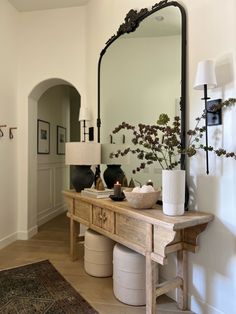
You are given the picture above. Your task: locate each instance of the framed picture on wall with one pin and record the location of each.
(43, 142)
(61, 140)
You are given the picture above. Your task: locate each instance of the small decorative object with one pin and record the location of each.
(97, 174)
(124, 182)
(142, 198)
(61, 140)
(43, 142)
(82, 155)
(173, 195)
(94, 193)
(149, 182)
(117, 189)
(117, 198)
(99, 185)
(131, 183)
(118, 194)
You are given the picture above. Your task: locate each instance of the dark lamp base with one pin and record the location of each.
(82, 177)
(112, 174)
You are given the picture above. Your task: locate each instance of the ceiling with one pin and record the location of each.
(35, 5)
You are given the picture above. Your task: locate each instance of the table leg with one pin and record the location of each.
(74, 233)
(182, 270)
(150, 274)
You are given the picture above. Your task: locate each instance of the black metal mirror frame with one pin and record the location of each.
(132, 21)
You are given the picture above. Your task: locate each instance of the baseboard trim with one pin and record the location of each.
(42, 219)
(196, 305)
(25, 235)
(201, 307)
(8, 240)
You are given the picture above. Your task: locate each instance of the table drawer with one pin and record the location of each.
(103, 218)
(97, 216)
(108, 219)
(131, 229)
(83, 210)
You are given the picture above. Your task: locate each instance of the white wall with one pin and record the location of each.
(52, 45)
(38, 49)
(211, 35)
(8, 109)
(52, 173)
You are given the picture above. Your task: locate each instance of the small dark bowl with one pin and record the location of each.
(117, 198)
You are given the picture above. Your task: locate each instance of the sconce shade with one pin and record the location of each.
(84, 114)
(107, 149)
(205, 75)
(82, 155)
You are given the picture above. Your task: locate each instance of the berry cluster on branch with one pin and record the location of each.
(161, 142)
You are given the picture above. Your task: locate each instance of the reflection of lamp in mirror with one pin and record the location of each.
(205, 79)
(84, 115)
(82, 156)
(113, 173)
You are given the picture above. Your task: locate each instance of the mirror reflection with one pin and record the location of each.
(140, 79)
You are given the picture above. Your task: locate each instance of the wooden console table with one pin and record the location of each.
(149, 232)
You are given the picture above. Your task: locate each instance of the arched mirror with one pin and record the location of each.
(141, 74)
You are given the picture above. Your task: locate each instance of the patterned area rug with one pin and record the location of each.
(39, 288)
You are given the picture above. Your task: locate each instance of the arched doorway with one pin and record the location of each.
(46, 171)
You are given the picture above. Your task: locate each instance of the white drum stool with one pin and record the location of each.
(98, 251)
(129, 276)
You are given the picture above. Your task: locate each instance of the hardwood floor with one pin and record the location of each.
(52, 243)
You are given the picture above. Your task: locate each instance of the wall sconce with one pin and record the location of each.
(84, 115)
(205, 79)
(82, 156)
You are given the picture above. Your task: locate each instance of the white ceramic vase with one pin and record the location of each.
(173, 192)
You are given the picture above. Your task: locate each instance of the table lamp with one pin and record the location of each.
(205, 79)
(82, 155)
(113, 173)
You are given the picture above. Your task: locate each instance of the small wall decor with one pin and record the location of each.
(11, 136)
(43, 142)
(61, 139)
(1, 132)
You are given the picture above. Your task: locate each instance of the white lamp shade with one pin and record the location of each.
(84, 114)
(205, 75)
(107, 149)
(81, 153)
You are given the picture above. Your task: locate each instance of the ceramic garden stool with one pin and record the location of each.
(98, 251)
(129, 276)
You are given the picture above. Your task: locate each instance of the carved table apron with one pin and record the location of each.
(147, 231)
